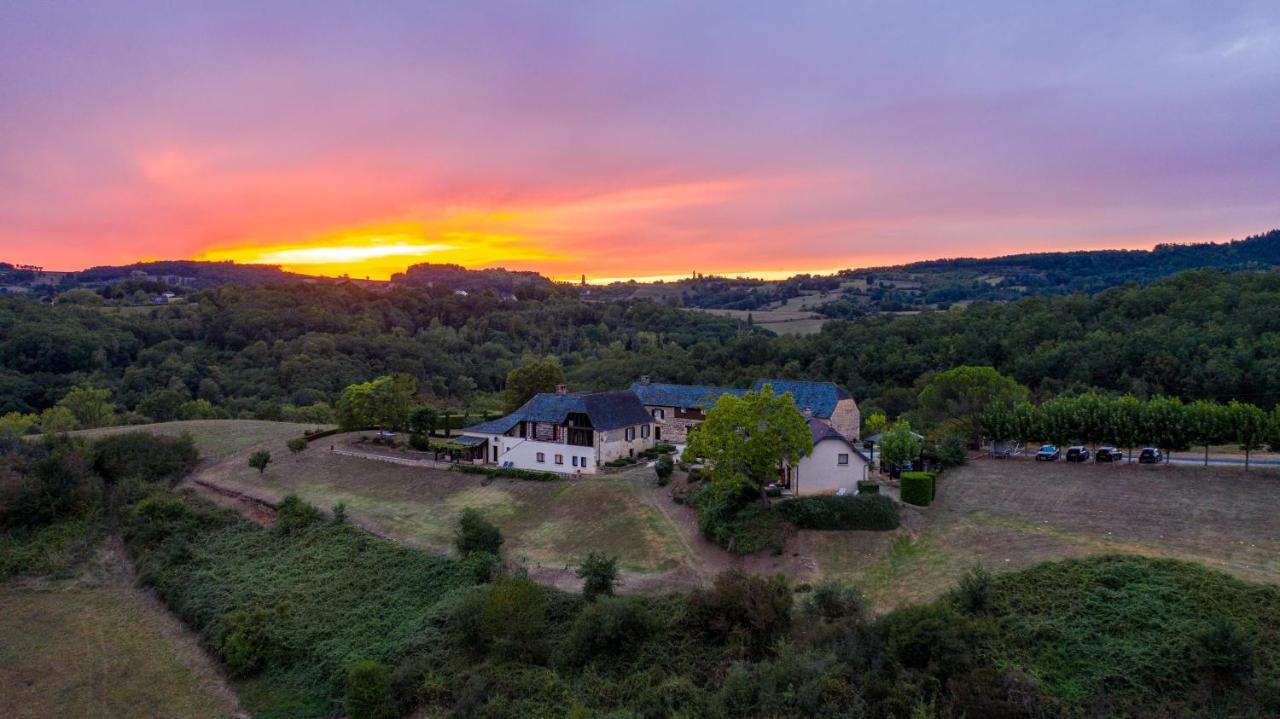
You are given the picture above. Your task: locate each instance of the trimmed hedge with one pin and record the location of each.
(508, 472)
(918, 488)
(868, 487)
(869, 511)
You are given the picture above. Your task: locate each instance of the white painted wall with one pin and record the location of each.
(821, 472)
(523, 454)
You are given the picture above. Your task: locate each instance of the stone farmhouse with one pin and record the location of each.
(565, 432)
(577, 433)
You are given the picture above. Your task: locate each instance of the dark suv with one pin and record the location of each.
(1108, 454)
(1077, 454)
(1150, 455)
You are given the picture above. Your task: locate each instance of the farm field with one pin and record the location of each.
(1008, 515)
(781, 321)
(544, 523)
(95, 646)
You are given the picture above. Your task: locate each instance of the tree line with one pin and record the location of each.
(1163, 422)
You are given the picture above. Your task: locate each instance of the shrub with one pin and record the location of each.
(972, 593)
(247, 641)
(746, 608)
(863, 511)
(598, 574)
(513, 618)
(832, 599)
(508, 472)
(1225, 651)
(737, 521)
(147, 456)
(476, 534)
(866, 486)
(368, 694)
(932, 638)
(663, 469)
(297, 444)
(340, 513)
(420, 442)
(293, 515)
(607, 628)
(917, 488)
(259, 460)
(481, 567)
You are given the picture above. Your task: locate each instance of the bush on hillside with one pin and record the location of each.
(368, 691)
(293, 515)
(863, 511)
(150, 457)
(745, 609)
(607, 629)
(917, 488)
(737, 521)
(476, 534)
(972, 594)
(832, 600)
(513, 618)
(1226, 652)
(598, 573)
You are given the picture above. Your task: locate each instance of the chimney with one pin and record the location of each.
(808, 413)
(562, 389)
(644, 379)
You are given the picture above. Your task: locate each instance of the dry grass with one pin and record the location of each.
(94, 645)
(547, 523)
(217, 437)
(1007, 515)
(783, 322)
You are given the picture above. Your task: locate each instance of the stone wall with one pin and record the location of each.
(846, 419)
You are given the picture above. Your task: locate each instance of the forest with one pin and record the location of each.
(287, 351)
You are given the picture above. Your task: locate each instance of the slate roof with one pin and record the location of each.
(821, 397)
(820, 431)
(656, 394)
(606, 410)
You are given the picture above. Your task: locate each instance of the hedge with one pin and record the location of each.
(918, 488)
(868, 487)
(868, 511)
(508, 472)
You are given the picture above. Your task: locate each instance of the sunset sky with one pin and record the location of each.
(629, 139)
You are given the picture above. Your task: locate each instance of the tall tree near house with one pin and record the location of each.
(874, 424)
(962, 393)
(527, 380)
(1207, 424)
(746, 439)
(1249, 425)
(1273, 429)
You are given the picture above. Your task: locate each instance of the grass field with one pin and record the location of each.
(548, 523)
(783, 322)
(1008, 515)
(93, 645)
(217, 437)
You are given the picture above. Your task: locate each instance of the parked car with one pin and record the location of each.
(1150, 455)
(1048, 453)
(1108, 454)
(1077, 454)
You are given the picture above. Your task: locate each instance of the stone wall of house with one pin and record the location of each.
(846, 419)
(676, 430)
(612, 444)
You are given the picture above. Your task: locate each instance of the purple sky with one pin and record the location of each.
(630, 139)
